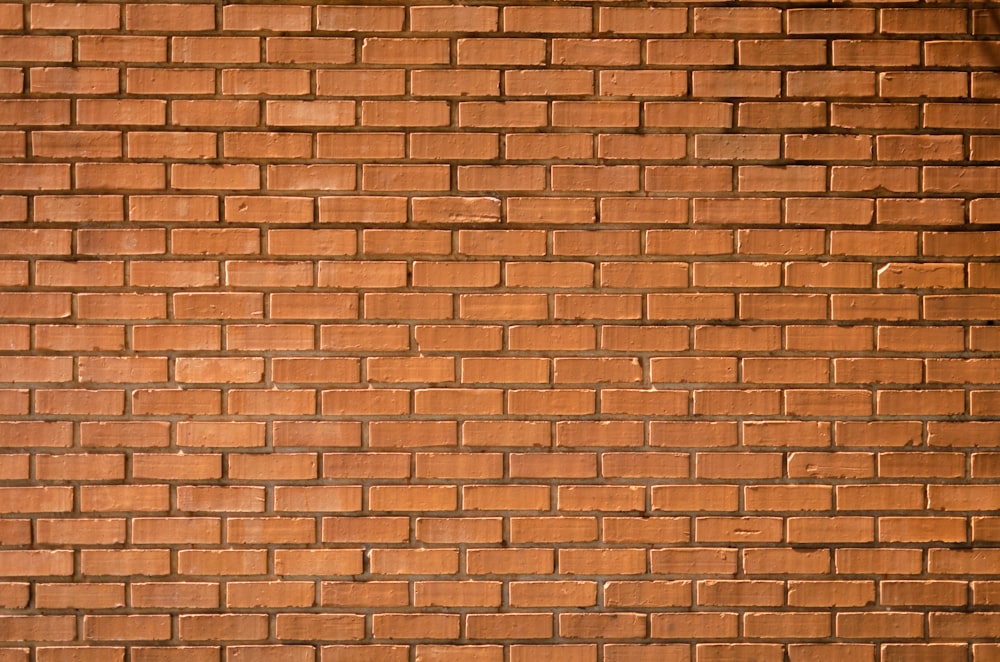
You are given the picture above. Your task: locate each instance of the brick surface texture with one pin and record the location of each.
(568, 331)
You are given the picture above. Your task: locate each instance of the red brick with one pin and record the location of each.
(519, 497)
(169, 273)
(437, 83)
(117, 112)
(775, 52)
(535, 83)
(854, 53)
(294, 178)
(322, 627)
(456, 530)
(266, 18)
(368, 209)
(305, 113)
(360, 19)
(553, 529)
(453, 19)
(501, 178)
(842, 83)
(215, 177)
(169, 18)
(494, 51)
(208, 627)
(439, 561)
(532, 561)
(290, 82)
(211, 113)
(312, 242)
(873, 116)
(113, 48)
(180, 81)
(490, 114)
(365, 594)
(386, 50)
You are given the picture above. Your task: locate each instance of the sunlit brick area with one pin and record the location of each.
(560, 331)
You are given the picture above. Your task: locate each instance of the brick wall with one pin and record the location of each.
(538, 332)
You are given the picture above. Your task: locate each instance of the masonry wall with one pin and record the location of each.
(534, 332)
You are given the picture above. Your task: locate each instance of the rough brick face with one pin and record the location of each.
(577, 331)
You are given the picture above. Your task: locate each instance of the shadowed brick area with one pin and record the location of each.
(557, 331)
